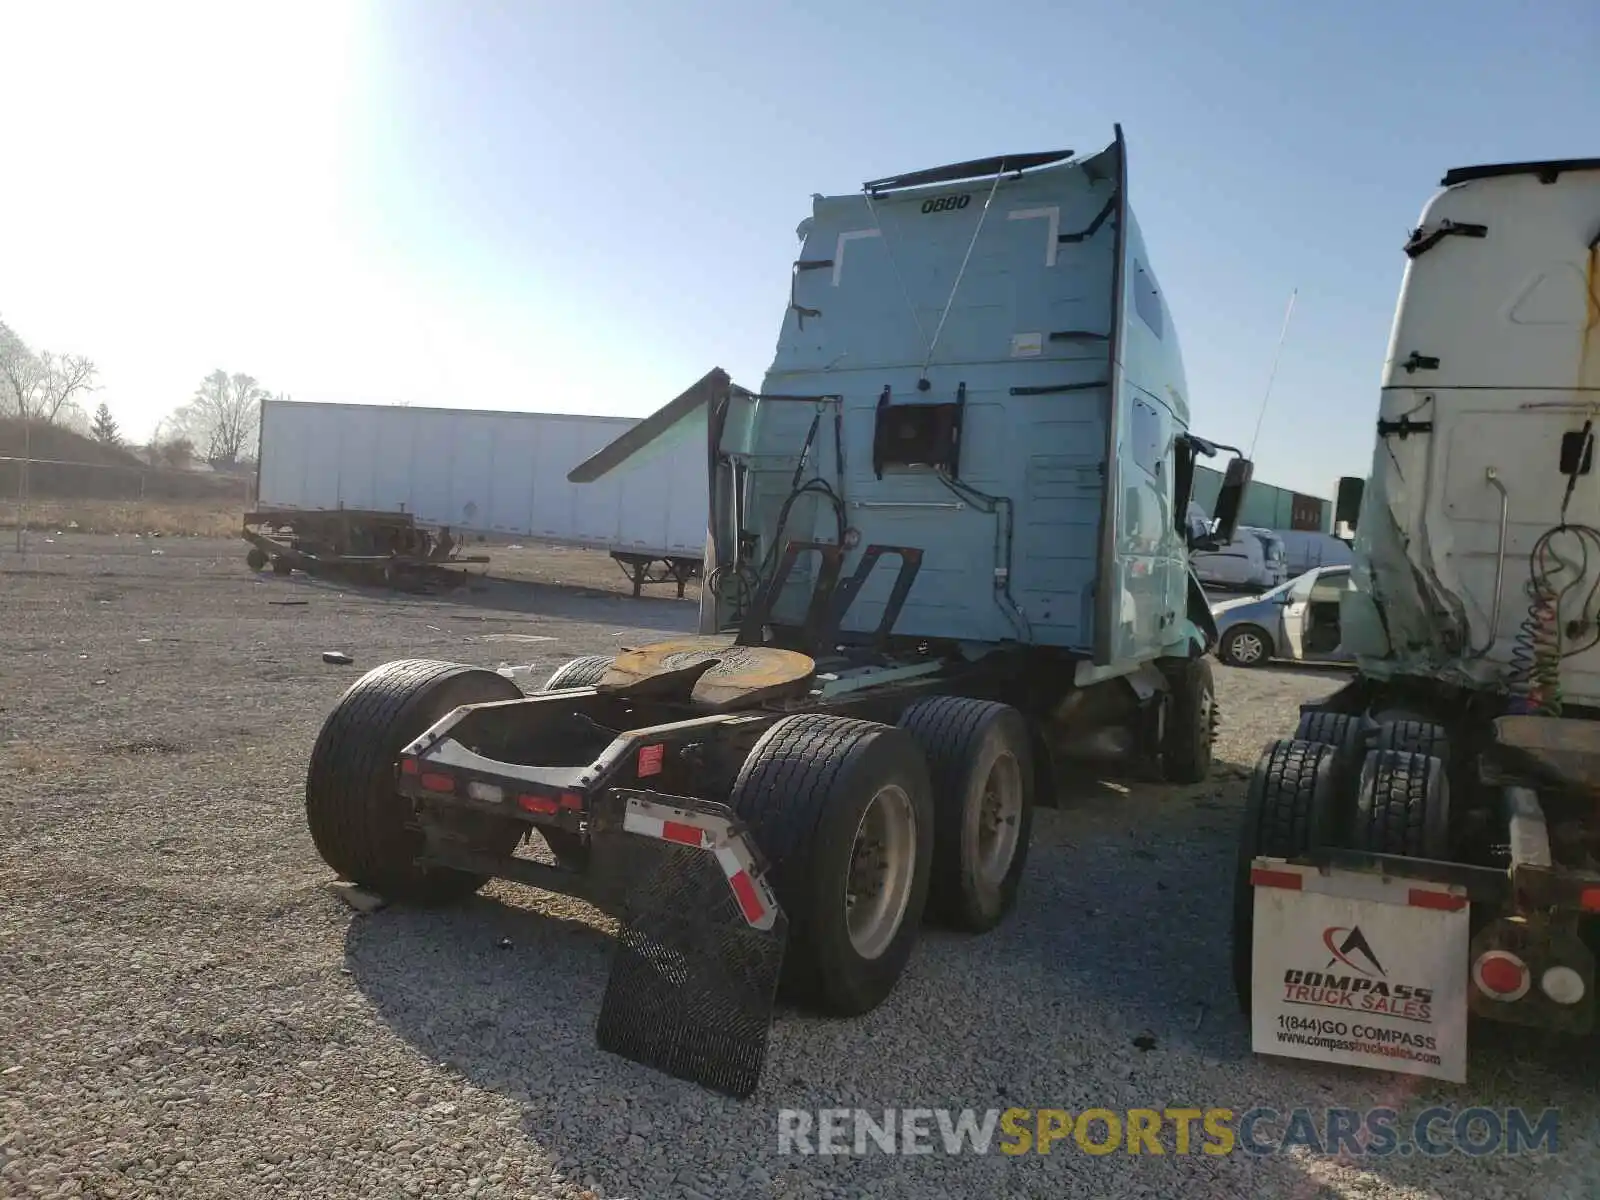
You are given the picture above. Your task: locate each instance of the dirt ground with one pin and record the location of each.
(187, 1010)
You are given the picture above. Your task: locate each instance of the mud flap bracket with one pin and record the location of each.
(700, 947)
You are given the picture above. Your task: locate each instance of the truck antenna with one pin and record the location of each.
(1273, 374)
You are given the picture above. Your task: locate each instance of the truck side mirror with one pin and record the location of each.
(1230, 499)
(1347, 502)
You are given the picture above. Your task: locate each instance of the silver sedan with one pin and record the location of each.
(1297, 620)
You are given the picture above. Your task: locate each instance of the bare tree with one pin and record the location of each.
(65, 376)
(41, 387)
(21, 375)
(223, 416)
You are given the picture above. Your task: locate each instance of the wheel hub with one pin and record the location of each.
(1247, 647)
(878, 881)
(999, 820)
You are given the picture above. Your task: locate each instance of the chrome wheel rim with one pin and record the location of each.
(882, 862)
(1247, 648)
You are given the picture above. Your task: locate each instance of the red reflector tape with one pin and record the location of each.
(571, 800)
(1443, 901)
(435, 782)
(408, 766)
(543, 805)
(650, 758)
(1261, 877)
(1589, 899)
(677, 831)
(745, 892)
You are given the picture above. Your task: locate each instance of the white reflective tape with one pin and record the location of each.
(1348, 884)
(1051, 214)
(489, 793)
(650, 827)
(838, 251)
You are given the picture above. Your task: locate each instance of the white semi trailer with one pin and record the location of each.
(350, 482)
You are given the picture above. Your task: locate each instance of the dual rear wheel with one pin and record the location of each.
(867, 827)
(1343, 781)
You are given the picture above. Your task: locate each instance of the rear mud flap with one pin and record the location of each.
(694, 974)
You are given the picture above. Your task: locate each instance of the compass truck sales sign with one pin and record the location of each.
(1356, 969)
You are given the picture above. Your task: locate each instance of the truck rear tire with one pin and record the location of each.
(1402, 806)
(255, 558)
(1413, 737)
(1348, 734)
(359, 822)
(980, 762)
(1291, 799)
(580, 672)
(1191, 726)
(834, 804)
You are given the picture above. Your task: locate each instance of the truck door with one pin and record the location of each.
(1136, 594)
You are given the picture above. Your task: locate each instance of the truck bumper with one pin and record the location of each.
(700, 944)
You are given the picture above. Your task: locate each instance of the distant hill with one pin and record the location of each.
(79, 468)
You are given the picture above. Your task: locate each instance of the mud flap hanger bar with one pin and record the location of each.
(697, 824)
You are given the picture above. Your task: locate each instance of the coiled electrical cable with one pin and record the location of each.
(1540, 644)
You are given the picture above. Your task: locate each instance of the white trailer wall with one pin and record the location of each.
(483, 472)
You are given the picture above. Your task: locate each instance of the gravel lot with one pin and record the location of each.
(186, 1009)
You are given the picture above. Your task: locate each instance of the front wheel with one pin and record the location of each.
(361, 825)
(1245, 646)
(1190, 730)
(842, 809)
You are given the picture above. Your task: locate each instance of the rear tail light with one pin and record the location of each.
(1589, 899)
(1501, 975)
(1563, 985)
(548, 806)
(435, 782)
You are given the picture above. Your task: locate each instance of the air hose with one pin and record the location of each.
(1538, 649)
(1536, 654)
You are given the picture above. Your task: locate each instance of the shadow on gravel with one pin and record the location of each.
(1108, 987)
(519, 596)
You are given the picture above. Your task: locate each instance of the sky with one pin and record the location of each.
(584, 207)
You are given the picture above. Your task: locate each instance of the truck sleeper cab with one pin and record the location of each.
(1456, 774)
(947, 553)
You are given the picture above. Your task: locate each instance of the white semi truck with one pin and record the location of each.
(1426, 844)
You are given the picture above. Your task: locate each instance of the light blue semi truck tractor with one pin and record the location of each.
(947, 561)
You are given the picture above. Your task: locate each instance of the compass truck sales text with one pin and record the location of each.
(1353, 994)
(1374, 1132)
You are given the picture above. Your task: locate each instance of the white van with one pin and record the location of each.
(1306, 550)
(1252, 561)
(1277, 556)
